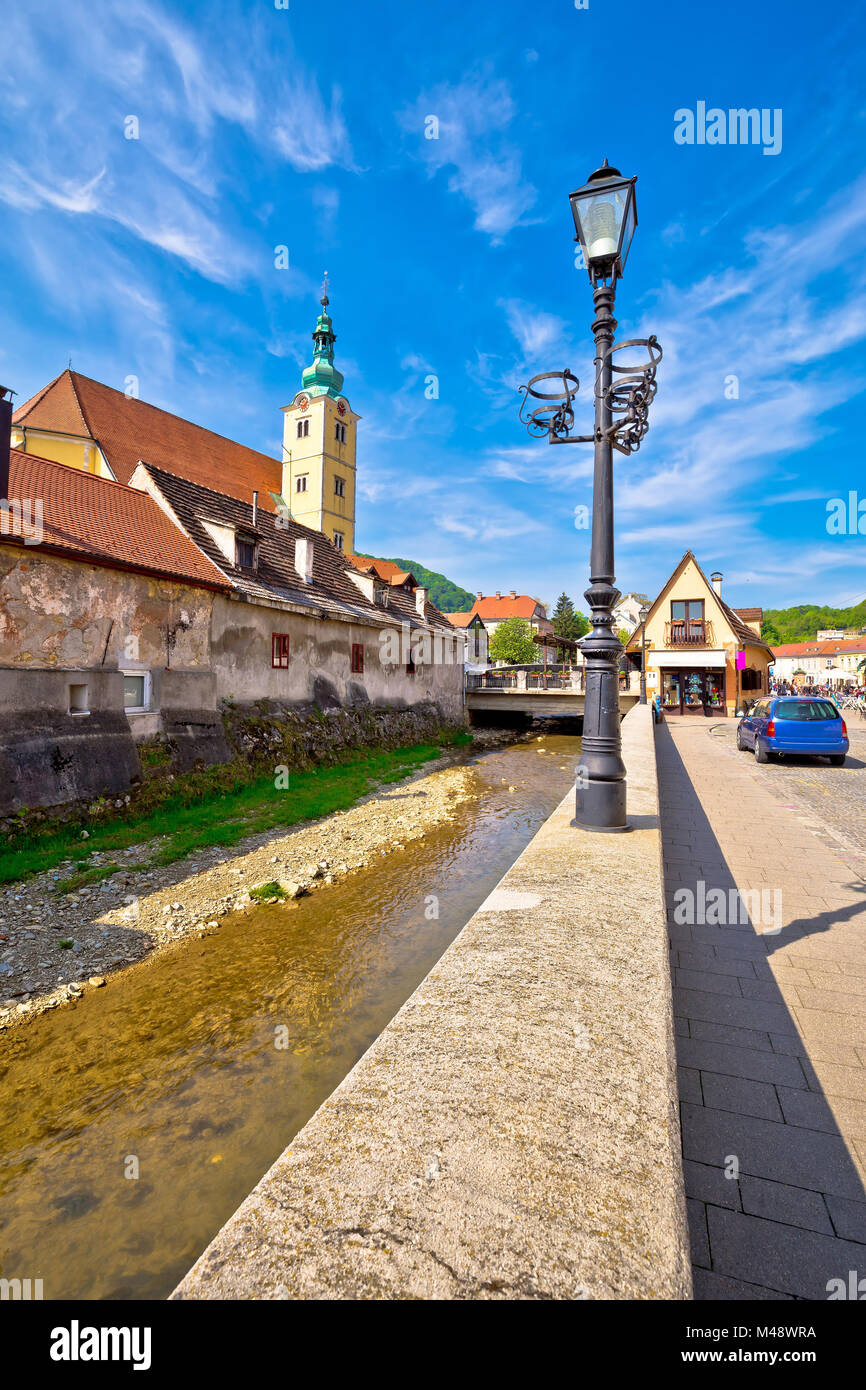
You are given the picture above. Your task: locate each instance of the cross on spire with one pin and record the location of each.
(324, 300)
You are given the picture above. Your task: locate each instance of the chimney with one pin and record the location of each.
(479, 594)
(304, 558)
(514, 593)
(498, 595)
(5, 440)
(255, 508)
(420, 600)
(716, 581)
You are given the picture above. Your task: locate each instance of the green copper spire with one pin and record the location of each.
(322, 378)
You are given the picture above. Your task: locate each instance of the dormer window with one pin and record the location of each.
(303, 429)
(245, 553)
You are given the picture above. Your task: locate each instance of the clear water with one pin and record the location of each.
(174, 1071)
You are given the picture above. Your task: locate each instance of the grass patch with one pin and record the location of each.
(87, 876)
(268, 892)
(217, 807)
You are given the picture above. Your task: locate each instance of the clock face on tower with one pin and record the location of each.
(303, 402)
(341, 406)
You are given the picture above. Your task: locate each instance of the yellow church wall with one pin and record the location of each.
(74, 452)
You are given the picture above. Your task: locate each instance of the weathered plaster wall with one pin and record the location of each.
(320, 659)
(62, 613)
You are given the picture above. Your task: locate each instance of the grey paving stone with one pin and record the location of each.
(787, 1258)
(738, 1094)
(778, 1201)
(711, 1286)
(747, 1062)
(708, 1184)
(712, 982)
(700, 1245)
(689, 1085)
(766, 1149)
(849, 1218)
(698, 959)
(735, 1037)
(807, 1108)
(756, 1014)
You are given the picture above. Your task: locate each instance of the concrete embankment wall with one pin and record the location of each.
(513, 1132)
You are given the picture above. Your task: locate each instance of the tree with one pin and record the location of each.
(567, 622)
(512, 643)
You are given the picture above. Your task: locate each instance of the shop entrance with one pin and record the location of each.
(697, 692)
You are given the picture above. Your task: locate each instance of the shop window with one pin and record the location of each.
(280, 651)
(357, 659)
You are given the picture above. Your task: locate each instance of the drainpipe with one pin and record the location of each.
(5, 440)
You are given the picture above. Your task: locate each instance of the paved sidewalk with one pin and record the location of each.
(771, 1028)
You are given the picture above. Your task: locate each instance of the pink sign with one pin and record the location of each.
(741, 661)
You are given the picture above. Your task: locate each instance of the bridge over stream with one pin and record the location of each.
(537, 695)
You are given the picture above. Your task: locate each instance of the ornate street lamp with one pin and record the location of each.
(605, 217)
(643, 615)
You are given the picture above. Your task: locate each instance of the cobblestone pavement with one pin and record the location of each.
(770, 1015)
(833, 797)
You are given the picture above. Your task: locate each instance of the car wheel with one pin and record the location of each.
(761, 754)
(837, 759)
(740, 745)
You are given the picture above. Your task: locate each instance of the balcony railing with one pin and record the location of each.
(692, 632)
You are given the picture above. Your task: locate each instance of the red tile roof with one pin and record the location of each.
(96, 520)
(495, 609)
(385, 569)
(750, 615)
(828, 648)
(128, 430)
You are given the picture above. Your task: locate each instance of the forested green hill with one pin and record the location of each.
(782, 625)
(442, 593)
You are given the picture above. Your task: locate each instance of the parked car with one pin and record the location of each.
(783, 724)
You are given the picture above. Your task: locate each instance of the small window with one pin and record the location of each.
(135, 691)
(280, 651)
(301, 483)
(357, 659)
(339, 539)
(78, 699)
(410, 666)
(245, 553)
(303, 429)
(339, 487)
(340, 433)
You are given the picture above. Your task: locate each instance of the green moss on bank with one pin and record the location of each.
(216, 806)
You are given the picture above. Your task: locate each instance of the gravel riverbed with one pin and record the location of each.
(139, 910)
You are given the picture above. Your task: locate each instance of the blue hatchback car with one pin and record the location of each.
(806, 724)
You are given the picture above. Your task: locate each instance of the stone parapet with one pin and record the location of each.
(513, 1132)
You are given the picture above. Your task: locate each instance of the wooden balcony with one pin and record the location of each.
(691, 633)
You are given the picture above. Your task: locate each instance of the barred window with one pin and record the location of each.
(357, 659)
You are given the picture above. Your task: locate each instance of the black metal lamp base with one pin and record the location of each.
(601, 806)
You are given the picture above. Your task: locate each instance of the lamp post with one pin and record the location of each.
(644, 614)
(605, 218)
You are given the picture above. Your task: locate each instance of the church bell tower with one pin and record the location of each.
(319, 429)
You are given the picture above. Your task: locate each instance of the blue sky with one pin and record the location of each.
(305, 127)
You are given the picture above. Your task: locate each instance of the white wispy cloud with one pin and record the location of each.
(473, 141)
